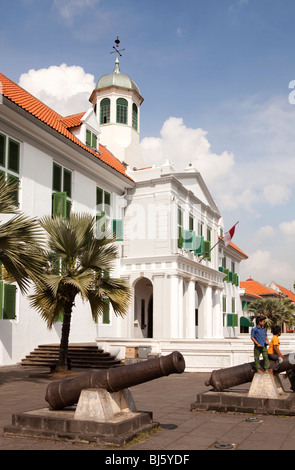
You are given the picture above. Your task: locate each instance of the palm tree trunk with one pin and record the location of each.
(62, 363)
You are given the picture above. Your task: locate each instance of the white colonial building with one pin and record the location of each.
(185, 282)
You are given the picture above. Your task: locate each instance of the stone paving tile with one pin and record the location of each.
(169, 398)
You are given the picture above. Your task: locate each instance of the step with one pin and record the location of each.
(83, 355)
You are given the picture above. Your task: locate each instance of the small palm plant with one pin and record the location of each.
(276, 310)
(21, 240)
(78, 263)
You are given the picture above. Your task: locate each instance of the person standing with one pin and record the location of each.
(260, 340)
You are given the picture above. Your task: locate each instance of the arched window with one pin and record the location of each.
(122, 111)
(134, 116)
(105, 111)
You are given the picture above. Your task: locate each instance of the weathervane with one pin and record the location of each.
(117, 50)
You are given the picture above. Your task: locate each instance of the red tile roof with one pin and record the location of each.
(286, 292)
(61, 124)
(259, 289)
(235, 247)
(72, 121)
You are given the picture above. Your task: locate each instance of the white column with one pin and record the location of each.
(207, 314)
(174, 306)
(189, 313)
(217, 314)
(160, 307)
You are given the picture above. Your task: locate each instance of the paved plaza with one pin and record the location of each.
(169, 398)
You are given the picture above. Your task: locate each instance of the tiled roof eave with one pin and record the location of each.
(62, 132)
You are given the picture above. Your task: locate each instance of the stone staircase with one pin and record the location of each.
(80, 355)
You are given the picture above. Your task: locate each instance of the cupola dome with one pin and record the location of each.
(118, 79)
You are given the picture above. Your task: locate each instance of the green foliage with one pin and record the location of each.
(77, 263)
(277, 310)
(21, 240)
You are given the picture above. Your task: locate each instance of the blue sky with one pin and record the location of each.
(215, 78)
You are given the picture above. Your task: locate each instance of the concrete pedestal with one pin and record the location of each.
(266, 385)
(265, 395)
(100, 405)
(100, 417)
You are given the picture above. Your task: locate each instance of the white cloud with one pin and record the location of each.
(183, 145)
(66, 89)
(265, 232)
(262, 267)
(69, 9)
(288, 228)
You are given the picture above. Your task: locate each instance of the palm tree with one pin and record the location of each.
(276, 310)
(21, 239)
(78, 263)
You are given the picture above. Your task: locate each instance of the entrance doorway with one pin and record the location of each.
(143, 308)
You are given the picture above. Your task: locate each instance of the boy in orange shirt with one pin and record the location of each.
(274, 352)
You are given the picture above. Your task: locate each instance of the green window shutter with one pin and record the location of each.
(1, 298)
(88, 138)
(207, 248)
(230, 319)
(56, 177)
(9, 302)
(199, 250)
(2, 149)
(118, 229)
(180, 237)
(226, 271)
(107, 203)
(106, 311)
(189, 240)
(234, 281)
(12, 178)
(230, 276)
(67, 186)
(180, 228)
(238, 281)
(59, 206)
(99, 197)
(94, 141)
(236, 319)
(221, 269)
(13, 156)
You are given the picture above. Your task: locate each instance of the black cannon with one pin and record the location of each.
(223, 379)
(66, 392)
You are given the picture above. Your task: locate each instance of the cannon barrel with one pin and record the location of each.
(222, 379)
(66, 392)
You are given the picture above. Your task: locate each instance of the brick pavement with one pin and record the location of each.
(169, 398)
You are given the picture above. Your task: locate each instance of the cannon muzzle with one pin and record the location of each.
(66, 392)
(222, 379)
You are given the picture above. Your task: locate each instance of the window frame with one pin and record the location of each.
(60, 193)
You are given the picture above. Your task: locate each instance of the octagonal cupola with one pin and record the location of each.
(116, 100)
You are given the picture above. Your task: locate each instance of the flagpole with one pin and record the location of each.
(215, 244)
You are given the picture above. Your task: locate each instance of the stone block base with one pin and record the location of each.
(62, 425)
(239, 401)
(100, 417)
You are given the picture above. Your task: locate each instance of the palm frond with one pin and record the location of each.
(7, 191)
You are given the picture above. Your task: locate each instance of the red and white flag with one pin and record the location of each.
(229, 235)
